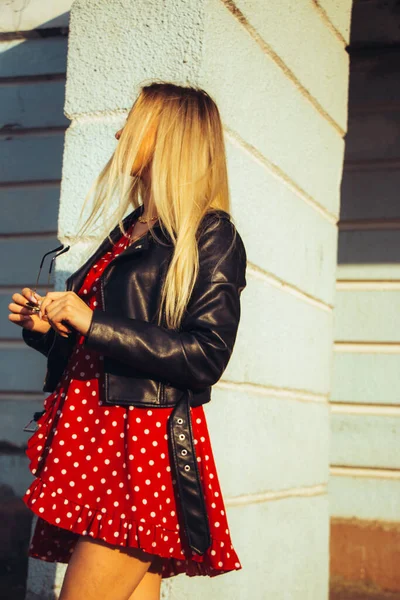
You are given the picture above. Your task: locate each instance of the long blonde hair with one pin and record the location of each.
(188, 175)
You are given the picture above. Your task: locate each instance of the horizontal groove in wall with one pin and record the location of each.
(328, 22)
(279, 174)
(365, 52)
(257, 273)
(353, 408)
(289, 74)
(303, 492)
(29, 183)
(367, 347)
(373, 107)
(15, 396)
(277, 392)
(369, 224)
(368, 472)
(34, 34)
(367, 285)
(28, 234)
(13, 132)
(377, 164)
(13, 343)
(25, 79)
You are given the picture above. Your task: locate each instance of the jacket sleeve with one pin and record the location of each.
(197, 354)
(42, 342)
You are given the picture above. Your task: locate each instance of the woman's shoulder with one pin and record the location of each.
(221, 248)
(217, 222)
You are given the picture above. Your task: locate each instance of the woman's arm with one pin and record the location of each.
(196, 356)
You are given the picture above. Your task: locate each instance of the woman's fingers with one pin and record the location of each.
(59, 327)
(18, 317)
(19, 304)
(19, 309)
(55, 313)
(26, 296)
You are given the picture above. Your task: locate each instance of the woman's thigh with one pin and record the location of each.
(100, 571)
(149, 587)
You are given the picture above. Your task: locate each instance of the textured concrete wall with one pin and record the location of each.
(365, 457)
(279, 73)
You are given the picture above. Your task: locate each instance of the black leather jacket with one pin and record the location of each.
(150, 365)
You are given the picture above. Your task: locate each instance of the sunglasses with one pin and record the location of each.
(62, 249)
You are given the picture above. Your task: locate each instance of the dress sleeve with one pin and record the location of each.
(197, 354)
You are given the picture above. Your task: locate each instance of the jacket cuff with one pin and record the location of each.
(39, 341)
(94, 338)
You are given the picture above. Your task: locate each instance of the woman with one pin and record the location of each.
(126, 488)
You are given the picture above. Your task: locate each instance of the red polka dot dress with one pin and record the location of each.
(104, 471)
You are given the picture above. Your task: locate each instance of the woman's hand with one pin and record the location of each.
(23, 315)
(60, 308)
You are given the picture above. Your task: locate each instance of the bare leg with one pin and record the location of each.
(101, 571)
(150, 586)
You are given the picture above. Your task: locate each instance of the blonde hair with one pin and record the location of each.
(188, 174)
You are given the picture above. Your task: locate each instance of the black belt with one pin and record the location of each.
(187, 474)
(190, 491)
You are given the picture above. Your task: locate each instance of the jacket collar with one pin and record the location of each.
(74, 281)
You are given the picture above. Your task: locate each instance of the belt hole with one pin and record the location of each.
(184, 452)
(181, 436)
(187, 468)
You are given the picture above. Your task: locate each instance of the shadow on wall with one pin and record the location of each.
(32, 90)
